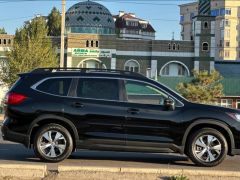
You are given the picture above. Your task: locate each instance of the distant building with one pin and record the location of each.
(226, 25)
(36, 17)
(5, 46)
(128, 26)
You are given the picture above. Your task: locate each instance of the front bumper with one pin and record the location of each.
(9, 135)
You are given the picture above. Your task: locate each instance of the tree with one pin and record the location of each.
(2, 31)
(31, 49)
(54, 23)
(204, 88)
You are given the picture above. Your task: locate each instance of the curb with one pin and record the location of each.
(23, 171)
(185, 172)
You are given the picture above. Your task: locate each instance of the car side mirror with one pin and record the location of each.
(169, 104)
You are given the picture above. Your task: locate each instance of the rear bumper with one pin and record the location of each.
(9, 135)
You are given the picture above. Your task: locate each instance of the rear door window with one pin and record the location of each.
(97, 88)
(55, 86)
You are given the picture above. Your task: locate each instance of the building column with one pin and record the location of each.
(153, 68)
(69, 58)
(196, 65)
(113, 59)
(212, 66)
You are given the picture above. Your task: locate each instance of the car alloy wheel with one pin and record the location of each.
(207, 148)
(52, 144)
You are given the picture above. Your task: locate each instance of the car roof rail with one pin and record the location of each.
(85, 70)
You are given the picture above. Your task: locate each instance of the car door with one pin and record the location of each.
(97, 112)
(149, 126)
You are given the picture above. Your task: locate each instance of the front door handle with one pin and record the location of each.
(77, 105)
(133, 111)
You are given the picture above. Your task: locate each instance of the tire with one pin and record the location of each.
(53, 143)
(206, 154)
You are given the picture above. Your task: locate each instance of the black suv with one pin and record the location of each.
(56, 111)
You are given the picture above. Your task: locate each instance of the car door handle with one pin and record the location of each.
(77, 105)
(133, 111)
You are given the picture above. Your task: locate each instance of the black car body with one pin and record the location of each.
(117, 111)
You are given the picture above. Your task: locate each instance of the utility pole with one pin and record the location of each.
(62, 35)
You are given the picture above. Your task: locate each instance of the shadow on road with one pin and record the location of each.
(170, 159)
(18, 153)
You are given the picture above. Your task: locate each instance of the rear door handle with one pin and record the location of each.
(133, 111)
(77, 105)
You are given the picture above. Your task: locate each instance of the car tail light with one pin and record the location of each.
(14, 98)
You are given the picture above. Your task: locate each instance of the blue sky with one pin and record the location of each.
(13, 14)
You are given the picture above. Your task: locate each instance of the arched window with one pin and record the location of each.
(132, 65)
(178, 47)
(97, 44)
(174, 69)
(87, 43)
(169, 46)
(205, 46)
(92, 43)
(4, 41)
(174, 46)
(92, 63)
(206, 25)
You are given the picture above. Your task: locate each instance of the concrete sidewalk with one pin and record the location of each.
(24, 171)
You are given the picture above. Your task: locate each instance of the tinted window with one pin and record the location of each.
(143, 93)
(56, 86)
(98, 89)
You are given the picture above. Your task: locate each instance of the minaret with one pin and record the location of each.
(204, 7)
(204, 37)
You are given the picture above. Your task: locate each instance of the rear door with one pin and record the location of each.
(97, 112)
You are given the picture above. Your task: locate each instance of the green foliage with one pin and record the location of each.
(179, 178)
(2, 31)
(31, 49)
(54, 23)
(204, 88)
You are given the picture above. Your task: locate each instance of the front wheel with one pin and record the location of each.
(207, 147)
(53, 143)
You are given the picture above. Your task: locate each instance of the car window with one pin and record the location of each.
(143, 93)
(107, 89)
(56, 86)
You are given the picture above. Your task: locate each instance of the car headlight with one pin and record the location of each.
(235, 116)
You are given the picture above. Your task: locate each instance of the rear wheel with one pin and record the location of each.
(207, 147)
(53, 143)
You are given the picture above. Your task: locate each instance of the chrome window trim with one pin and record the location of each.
(34, 87)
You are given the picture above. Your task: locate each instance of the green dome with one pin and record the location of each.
(89, 17)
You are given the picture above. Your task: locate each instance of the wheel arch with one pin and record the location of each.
(49, 119)
(218, 125)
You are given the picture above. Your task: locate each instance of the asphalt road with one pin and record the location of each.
(12, 153)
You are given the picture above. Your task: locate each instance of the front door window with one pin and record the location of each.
(142, 93)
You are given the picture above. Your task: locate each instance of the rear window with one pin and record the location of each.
(106, 89)
(56, 86)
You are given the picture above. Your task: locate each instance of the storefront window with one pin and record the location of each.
(228, 103)
(132, 66)
(238, 104)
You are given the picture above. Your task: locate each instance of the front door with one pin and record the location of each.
(148, 125)
(97, 113)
